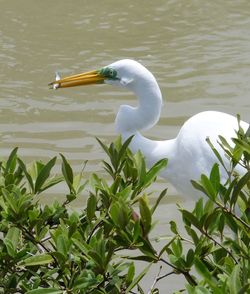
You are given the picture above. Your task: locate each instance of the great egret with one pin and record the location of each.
(189, 155)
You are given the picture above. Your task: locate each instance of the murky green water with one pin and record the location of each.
(199, 52)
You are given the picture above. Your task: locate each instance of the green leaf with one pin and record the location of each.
(161, 196)
(44, 174)
(141, 166)
(14, 235)
(238, 188)
(37, 260)
(177, 248)
(165, 247)
(199, 290)
(28, 176)
(215, 176)
(190, 257)
(62, 245)
(119, 214)
(145, 213)
(124, 148)
(191, 218)
(138, 279)
(204, 272)
(67, 173)
(104, 147)
(52, 182)
(10, 200)
(199, 211)
(10, 247)
(45, 291)
(234, 283)
(11, 162)
(97, 258)
(91, 207)
(198, 186)
(83, 247)
(216, 153)
(154, 171)
(173, 227)
(244, 145)
(124, 194)
(209, 188)
(231, 223)
(130, 274)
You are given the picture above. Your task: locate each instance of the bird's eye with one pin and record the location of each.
(109, 73)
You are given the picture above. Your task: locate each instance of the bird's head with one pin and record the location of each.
(125, 73)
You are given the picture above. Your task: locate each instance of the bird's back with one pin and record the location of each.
(193, 155)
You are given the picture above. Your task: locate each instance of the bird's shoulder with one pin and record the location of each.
(209, 122)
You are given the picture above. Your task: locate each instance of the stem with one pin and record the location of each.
(31, 237)
(38, 244)
(217, 243)
(158, 278)
(155, 281)
(164, 276)
(186, 274)
(236, 217)
(45, 239)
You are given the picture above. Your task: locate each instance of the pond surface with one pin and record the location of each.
(199, 51)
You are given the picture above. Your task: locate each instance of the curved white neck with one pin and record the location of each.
(130, 120)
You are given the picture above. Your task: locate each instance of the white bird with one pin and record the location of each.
(189, 154)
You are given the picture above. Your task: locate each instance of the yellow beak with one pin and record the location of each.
(87, 78)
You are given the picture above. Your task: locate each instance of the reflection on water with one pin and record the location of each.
(198, 51)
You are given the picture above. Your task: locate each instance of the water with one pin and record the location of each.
(198, 51)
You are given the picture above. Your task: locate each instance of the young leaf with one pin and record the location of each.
(44, 174)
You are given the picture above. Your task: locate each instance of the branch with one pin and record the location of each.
(186, 274)
(158, 278)
(219, 244)
(155, 281)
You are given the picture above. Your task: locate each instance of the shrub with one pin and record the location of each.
(51, 249)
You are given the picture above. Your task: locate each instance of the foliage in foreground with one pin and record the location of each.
(50, 249)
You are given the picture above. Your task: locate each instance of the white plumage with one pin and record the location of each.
(189, 155)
